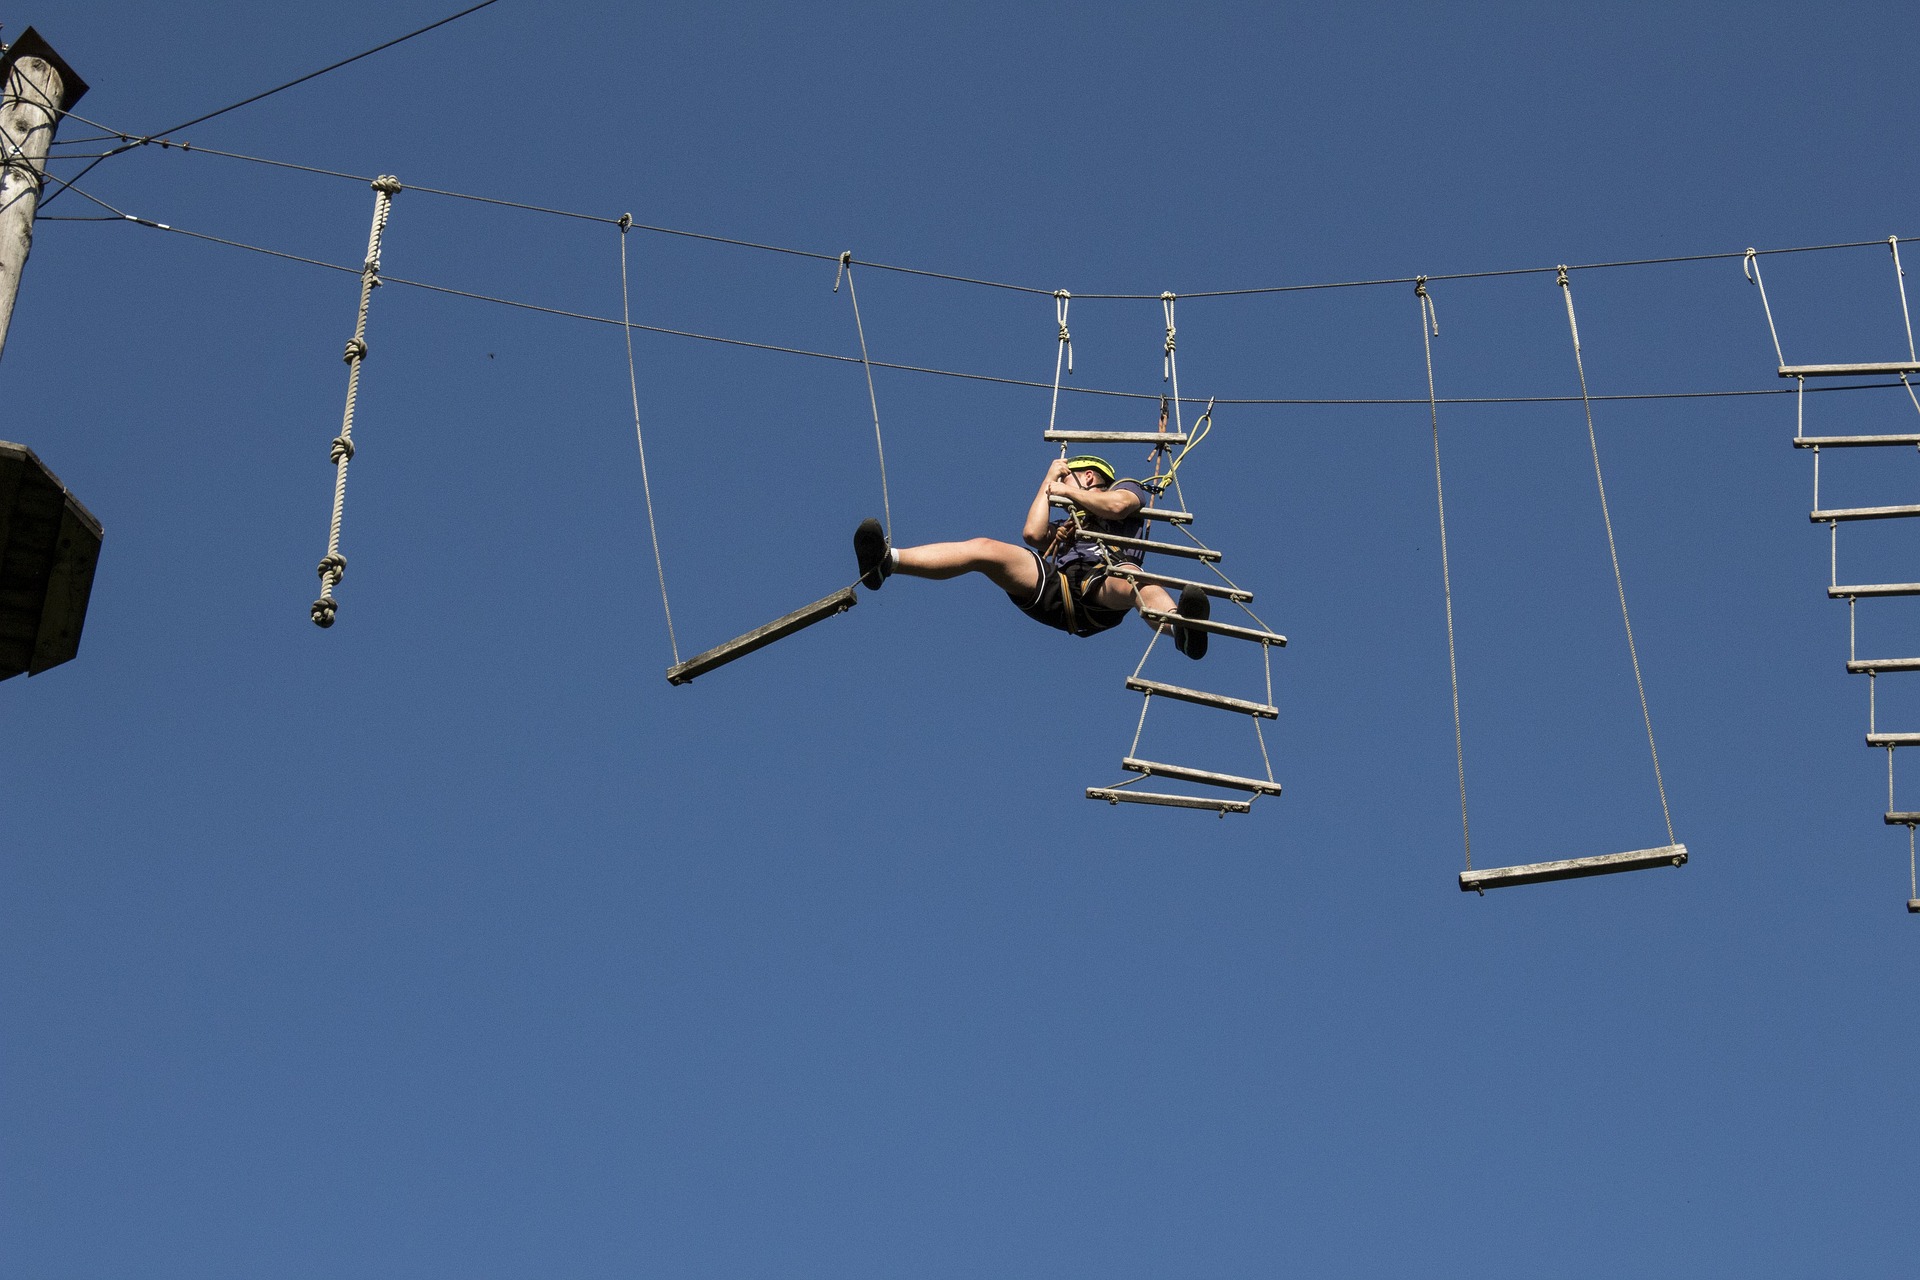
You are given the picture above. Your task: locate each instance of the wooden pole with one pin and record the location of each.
(38, 86)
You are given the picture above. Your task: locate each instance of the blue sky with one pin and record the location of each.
(453, 941)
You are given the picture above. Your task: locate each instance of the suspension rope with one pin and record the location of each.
(965, 375)
(846, 269)
(1429, 330)
(646, 485)
(333, 566)
(1062, 354)
(1750, 263)
(1497, 273)
(1619, 582)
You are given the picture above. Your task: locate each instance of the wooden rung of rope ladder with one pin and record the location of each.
(1145, 513)
(1851, 442)
(1147, 544)
(1864, 666)
(759, 638)
(1846, 370)
(1116, 437)
(1863, 513)
(1211, 627)
(1876, 589)
(1893, 739)
(1897, 818)
(1180, 773)
(1203, 698)
(1671, 855)
(1120, 795)
(1137, 574)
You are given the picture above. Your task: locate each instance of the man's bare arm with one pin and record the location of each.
(1040, 513)
(1108, 504)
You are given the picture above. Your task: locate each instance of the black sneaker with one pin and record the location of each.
(870, 550)
(1191, 640)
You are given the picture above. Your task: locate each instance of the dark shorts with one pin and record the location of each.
(1049, 603)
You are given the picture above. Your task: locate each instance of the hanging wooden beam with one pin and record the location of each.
(1264, 710)
(1846, 370)
(1851, 442)
(780, 628)
(1137, 574)
(1876, 589)
(1115, 437)
(1120, 795)
(1861, 666)
(1180, 773)
(1893, 739)
(1145, 513)
(1147, 544)
(1900, 818)
(1863, 513)
(1214, 628)
(1672, 855)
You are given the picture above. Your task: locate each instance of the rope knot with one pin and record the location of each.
(387, 184)
(626, 223)
(356, 350)
(333, 567)
(323, 611)
(1562, 270)
(342, 449)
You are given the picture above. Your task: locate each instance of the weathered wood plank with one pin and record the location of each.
(1203, 698)
(759, 638)
(1672, 855)
(1847, 370)
(1120, 795)
(1214, 628)
(1180, 773)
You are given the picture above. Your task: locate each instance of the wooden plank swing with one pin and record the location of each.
(1671, 854)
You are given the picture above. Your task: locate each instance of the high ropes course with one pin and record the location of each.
(1169, 444)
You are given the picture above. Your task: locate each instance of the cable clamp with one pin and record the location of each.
(625, 223)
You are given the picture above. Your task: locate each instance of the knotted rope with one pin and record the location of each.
(1062, 355)
(333, 566)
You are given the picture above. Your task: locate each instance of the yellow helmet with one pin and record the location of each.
(1087, 461)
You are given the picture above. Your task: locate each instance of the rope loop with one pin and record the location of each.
(625, 223)
(387, 184)
(1747, 263)
(1429, 314)
(839, 272)
(342, 449)
(1166, 361)
(1061, 299)
(356, 350)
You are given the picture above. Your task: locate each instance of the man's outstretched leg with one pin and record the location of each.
(1011, 568)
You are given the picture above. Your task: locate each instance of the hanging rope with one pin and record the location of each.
(333, 566)
(646, 485)
(1063, 355)
(846, 269)
(1750, 263)
(1429, 330)
(1619, 582)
